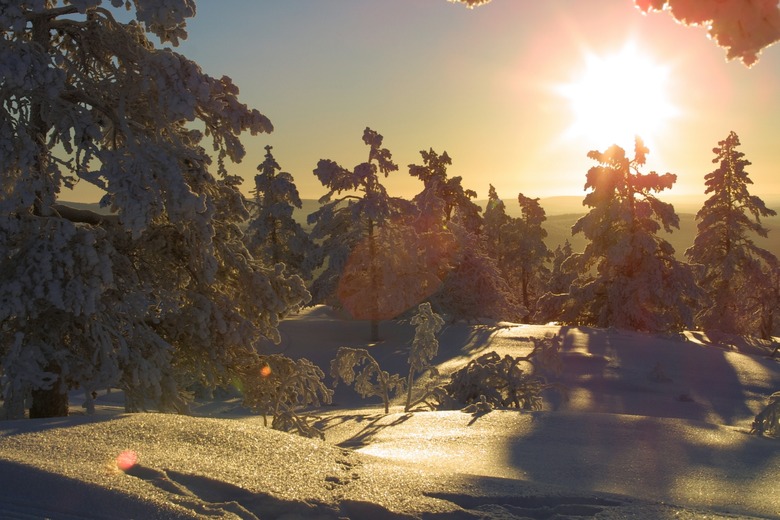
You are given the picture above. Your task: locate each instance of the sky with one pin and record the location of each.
(500, 88)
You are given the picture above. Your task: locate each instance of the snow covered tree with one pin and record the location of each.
(735, 269)
(273, 235)
(450, 226)
(455, 201)
(743, 27)
(353, 276)
(525, 254)
(517, 245)
(628, 277)
(424, 348)
(160, 292)
(560, 278)
(494, 220)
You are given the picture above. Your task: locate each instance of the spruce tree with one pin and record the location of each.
(273, 235)
(627, 277)
(735, 269)
(451, 228)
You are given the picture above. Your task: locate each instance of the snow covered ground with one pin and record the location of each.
(654, 427)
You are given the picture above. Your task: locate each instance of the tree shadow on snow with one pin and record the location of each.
(628, 372)
(666, 460)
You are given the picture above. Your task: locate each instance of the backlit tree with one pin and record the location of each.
(161, 292)
(735, 269)
(354, 211)
(628, 277)
(743, 27)
(273, 235)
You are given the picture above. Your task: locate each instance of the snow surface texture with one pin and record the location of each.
(655, 427)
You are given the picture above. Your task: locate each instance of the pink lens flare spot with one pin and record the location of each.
(126, 460)
(265, 371)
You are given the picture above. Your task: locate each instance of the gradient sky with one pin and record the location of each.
(482, 84)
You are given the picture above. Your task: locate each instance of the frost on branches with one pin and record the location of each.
(628, 277)
(743, 27)
(161, 292)
(737, 274)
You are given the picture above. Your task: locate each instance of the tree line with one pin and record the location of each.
(378, 256)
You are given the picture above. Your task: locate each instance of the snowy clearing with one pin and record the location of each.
(654, 427)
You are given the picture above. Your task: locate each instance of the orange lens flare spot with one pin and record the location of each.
(126, 460)
(265, 371)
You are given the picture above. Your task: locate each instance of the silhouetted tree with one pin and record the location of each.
(449, 225)
(273, 235)
(735, 269)
(354, 274)
(525, 253)
(628, 277)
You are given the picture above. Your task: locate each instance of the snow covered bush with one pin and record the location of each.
(370, 380)
(738, 277)
(282, 388)
(768, 420)
(424, 348)
(159, 293)
(492, 381)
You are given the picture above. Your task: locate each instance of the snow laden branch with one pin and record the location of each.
(743, 27)
(282, 387)
(160, 293)
(491, 381)
(370, 380)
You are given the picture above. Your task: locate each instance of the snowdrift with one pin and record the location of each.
(653, 427)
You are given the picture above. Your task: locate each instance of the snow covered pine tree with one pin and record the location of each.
(737, 274)
(273, 235)
(628, 277)
(359, 239)
(160, 293)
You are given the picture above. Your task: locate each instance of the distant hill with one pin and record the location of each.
(562, 212)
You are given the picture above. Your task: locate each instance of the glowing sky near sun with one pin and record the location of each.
(485, 85)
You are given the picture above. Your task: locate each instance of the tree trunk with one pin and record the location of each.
(51, 402)
(374, 274)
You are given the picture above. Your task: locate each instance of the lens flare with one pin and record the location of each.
(265, 371)
(126, 460)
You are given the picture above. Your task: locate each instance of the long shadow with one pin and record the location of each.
(374, 426)
(27, 492)
(22, 426)
(641, 374)
(665, 460)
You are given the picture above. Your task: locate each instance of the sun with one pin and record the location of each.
(617, 97)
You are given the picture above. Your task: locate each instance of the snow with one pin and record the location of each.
(655, 427)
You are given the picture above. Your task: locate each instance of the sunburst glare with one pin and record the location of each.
(617, 96)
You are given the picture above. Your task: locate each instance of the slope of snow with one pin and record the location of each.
(654, 427)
